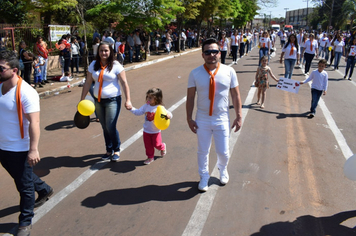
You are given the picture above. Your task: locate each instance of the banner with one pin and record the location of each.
(288, 85)
(56, 31)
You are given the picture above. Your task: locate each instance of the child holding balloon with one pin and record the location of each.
(151, 134)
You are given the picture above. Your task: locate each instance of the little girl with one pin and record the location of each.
(151, 135)
(261, 80)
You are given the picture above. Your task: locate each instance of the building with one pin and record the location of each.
(298, 18)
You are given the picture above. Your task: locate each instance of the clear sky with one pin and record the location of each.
(279, 11)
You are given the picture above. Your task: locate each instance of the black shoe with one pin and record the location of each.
(46, 81)
(40, 85)
(43, 82)
(42, 198)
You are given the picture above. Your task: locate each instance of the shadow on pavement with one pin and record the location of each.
(7, 228)
(44, 167)
(174, 192)
(311, 225)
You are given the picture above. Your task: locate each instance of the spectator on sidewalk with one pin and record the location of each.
(19, 135)
(183, 38)
(40, 50)
(130, 46)
(138, 45)
(74, 55)
(27, 58)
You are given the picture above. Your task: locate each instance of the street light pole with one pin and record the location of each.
(285, 19)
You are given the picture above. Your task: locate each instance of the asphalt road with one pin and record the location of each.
(286, 170)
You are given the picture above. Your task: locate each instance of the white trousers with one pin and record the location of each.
(221, 133)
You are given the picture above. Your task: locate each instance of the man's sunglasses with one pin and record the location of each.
(2, 69)
(209, 52)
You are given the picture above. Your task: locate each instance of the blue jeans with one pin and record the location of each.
(108, 110)
(44, 70)
(75, 63)
(288, 67)
(337, 59)
(316, 94)
(130, 53)
(263, 52)
(322, 51)
(351, 61)
(301, 57)
(327, 52)
(26, 182)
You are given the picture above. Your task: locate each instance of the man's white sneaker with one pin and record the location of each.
(224, 176)
(203, 184)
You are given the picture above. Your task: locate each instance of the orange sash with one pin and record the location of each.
(100, 80)
(292, 49)
(19, 105)
(211, 87)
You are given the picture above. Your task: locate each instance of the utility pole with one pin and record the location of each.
(331, 15)
(306, 18)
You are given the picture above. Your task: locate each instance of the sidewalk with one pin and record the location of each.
(56, 87)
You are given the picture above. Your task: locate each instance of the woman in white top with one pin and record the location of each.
(235, 40)
(327, 47)
(291, 53)
(283, 37)
(339, 50)
(109, 77)
(265, 46)
(74, 54)
(302, 47)
(310, 50)
(95, 47)
(350, 59)
(224, 46)
(322, 45)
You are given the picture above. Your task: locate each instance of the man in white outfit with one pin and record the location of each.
(212, 83)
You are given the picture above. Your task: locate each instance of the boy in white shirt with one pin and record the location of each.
(319, 85)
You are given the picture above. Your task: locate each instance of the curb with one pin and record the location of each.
(56, 91)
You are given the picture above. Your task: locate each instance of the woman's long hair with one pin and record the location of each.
(110, 60)
(295, 41)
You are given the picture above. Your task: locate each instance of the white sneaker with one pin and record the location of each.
(224, 176)
(203, 184)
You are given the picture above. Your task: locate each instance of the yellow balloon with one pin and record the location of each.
(160, 120)
(245, 40)
(86, 107)
(330, 48)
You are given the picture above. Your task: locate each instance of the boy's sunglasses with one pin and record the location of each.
(2, 69)
(209, 52)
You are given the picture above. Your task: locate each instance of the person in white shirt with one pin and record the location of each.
(339, 50)
(212, 116)
(235, 40)
(224, 46)
(310, 50)
(283, 37)
(265, 46)
(291, 53)
(350, 59)
(322, 45)
(319, 85)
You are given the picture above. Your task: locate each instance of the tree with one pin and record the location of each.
(248, 12)
(349, 8)
(14, 12)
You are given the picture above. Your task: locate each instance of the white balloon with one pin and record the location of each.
(350, 168)
(90, 98)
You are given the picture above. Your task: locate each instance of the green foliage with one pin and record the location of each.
(14, 12)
